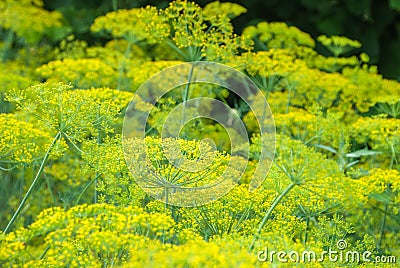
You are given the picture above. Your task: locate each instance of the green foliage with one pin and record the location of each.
(70, 196)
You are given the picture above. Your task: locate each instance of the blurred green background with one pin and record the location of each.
(376, 23)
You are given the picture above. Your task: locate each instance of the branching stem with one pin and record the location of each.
(269, 212)
(34, 182)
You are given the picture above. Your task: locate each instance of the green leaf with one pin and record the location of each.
(352, 164)
(362, 152)
(330, 149)
(56, 34)
(382, 197)
(394, 4)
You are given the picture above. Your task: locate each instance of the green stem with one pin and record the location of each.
(123, 63)
(7, 45)
(35, 181)
(44, 252)
(268, 214)
(85, 189)
(289, 98)
(393, 157)
(306, 231)
(68, 140)
(97, 175)
(115, 5)
(166, 189)
(383, 224)
(53, 199)
(186, 93)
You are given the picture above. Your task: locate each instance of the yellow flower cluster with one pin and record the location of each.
(335, 173)
(81, 73)
(16, 15)
(118, 52)
(193, 254)
(331, 64)
(71, 48)
(380, 180)
(20, 141)
(140, 73)
(115, 184)
(338, 41)
(11, 78)
(365, 84)
(165, 166)
(381, 134)
(278, 35)
(77, 113)
(92, 235)
(274, 62)
(135, 25)
(338, 44)
(216, 8)
(235, 213)
(199, 34)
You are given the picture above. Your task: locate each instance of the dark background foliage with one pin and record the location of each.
(376, 23)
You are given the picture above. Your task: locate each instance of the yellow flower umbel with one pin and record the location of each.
(81, 73)
(85, 235)
(167, 168)
(338, 45)
(16, 15)
(76, 113)
(202, 34)
(115, 184)
(20, 141)
(184, 28)
(381, 134)
(278, 35)
(138, 25)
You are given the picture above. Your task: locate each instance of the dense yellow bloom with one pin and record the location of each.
(12, 77)
(140, 73)
(381, 134)
(380, 180)
(85, 235)
(338, 41)
(274, 62)
(365, 85)
(117, 53)
(115, 184)
(335, 173)
(77, 113)
(16, 15)
(82, 73)
(135, 25)
(196, 34)
(338, 44)
(167, 169)
(231, 10)
(331, 64)
(193, 254)
(20, 141)
(320, 87)
(279, 35)
(235, 213)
